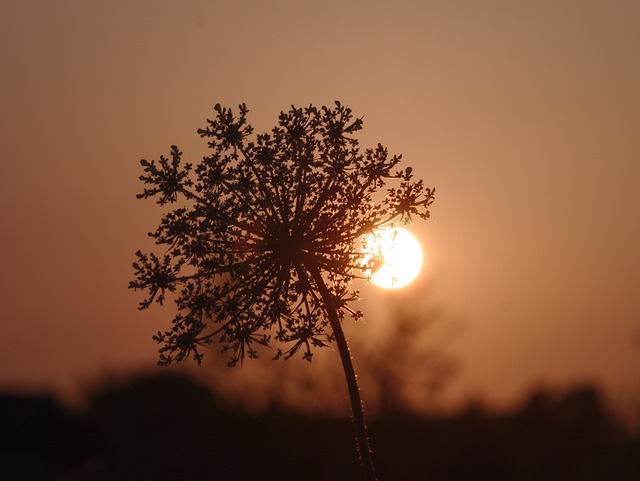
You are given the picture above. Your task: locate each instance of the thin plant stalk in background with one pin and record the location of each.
(264, 237)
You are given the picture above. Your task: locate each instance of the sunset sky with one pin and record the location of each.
(524, 116)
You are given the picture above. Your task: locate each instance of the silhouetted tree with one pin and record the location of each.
(269, 236)
(405, 364)
(166, 427)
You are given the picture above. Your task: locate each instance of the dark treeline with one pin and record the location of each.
(165, 427)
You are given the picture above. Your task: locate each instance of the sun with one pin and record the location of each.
(393, 256)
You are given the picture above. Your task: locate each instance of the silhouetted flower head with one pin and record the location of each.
(257, 217)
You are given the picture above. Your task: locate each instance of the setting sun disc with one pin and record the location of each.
(393, 257)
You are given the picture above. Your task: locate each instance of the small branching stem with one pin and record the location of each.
(357, 408)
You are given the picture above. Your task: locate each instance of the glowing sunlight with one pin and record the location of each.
(394, 256)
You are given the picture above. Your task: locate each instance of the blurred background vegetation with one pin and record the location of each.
(290, 420)
(169, 426)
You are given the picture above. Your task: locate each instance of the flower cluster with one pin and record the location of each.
(262, 222)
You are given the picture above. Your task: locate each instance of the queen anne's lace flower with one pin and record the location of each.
(269, 230)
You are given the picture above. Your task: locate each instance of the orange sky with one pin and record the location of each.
(523, 115)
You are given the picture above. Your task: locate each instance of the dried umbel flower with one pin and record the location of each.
(268, 237)
(259, 219)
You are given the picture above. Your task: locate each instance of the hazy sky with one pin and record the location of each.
(523, 115)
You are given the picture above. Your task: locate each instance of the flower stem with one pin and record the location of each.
(357, 407)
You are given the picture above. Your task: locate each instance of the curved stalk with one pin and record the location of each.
(357, 407)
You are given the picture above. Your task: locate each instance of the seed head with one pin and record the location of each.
(254, 217)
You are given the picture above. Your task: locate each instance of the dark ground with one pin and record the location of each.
(165, 427)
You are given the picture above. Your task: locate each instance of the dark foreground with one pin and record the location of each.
(165, 427)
